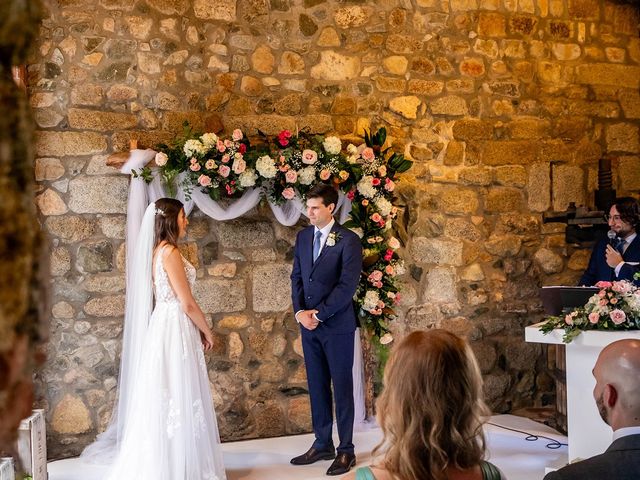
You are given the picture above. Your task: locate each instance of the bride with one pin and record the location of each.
(164, 426)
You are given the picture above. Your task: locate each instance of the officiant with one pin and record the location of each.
(617, 257)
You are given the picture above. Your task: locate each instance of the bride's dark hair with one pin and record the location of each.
(166, 226)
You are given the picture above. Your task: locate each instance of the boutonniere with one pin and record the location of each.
(333, 238)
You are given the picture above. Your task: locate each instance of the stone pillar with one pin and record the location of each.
(21, 288)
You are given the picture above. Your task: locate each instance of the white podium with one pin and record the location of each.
(588, 434)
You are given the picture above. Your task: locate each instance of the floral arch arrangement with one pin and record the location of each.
(284, 168)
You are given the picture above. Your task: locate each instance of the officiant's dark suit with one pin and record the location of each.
(621, 461)
(624, 221)
(598, 268)
(324, 289)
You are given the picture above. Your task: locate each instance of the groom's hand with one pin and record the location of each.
(306, 319)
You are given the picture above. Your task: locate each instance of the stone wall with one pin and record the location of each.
(505, 107)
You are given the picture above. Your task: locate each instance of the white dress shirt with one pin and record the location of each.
(325, 231)
(625, 432)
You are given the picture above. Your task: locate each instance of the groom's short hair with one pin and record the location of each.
(327, 193)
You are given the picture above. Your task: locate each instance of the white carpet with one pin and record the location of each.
(268, 459)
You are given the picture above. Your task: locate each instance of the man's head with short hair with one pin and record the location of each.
(624, 216)
(617, 390)
(327, 193)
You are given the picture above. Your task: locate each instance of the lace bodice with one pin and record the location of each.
(162, 287)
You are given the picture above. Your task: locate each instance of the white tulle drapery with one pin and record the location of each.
(288, 214)
(138, 307)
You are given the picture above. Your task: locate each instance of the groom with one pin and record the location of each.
(326, 269)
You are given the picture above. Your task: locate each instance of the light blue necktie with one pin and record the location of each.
(620, 246)
(316, 245)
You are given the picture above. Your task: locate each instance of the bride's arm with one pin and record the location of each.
(178, 279)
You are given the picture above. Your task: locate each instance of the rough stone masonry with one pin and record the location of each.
(505, 106)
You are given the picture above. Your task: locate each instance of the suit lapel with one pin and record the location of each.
(335, 228)
(633, 250)
(307, 250)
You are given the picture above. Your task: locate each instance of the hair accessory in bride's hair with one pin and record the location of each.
(159, 211)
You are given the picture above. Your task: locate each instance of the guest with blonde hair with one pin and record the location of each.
(431, 413)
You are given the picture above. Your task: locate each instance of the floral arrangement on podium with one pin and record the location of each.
(615, 307)
(285, 167)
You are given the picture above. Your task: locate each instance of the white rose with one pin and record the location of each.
(161, 159)
(386, 339)
(307, 175)
(248, 178)
(371, 299)
(332, 145)
(384, 206)
(266, 167)
(209, 140)
(365, 187)
(193, 147)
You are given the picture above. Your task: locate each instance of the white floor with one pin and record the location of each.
(268, 459)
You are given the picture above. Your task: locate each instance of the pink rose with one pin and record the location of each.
(226, 158)
(239, 166)
(325, 174)
(220, 146)
(375, 182)
(376, 217)
(389, 270)
(603, 284)
(621, 287)
(617, 316)
(603, 302)
(291, 176)
(613, 301)
(375, 276)
(594, 317)
(224, 171)
(204, 180)
(227, 143)
(309, 157)
(389, 185)
(602, 293)
(194, 167)
(368, 154)
(568, 320)
(288, 193)
(237, 135)
(382, 171)
(394, 243)
(365, 202)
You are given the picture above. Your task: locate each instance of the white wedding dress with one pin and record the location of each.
(171, 431)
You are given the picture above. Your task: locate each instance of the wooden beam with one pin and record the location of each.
(117, 160)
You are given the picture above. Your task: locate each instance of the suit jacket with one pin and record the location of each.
(329, 283)
(621, 461)
(599, 270)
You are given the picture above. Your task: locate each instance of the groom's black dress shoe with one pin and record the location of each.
(342, 464)
(312, 456)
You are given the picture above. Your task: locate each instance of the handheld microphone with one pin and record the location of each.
(612, 238)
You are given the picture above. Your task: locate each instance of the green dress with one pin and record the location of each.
(489, 472)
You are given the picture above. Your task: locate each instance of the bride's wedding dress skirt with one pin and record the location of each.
(171, 431)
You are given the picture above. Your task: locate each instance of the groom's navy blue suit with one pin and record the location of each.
(328, 285)
(598, 270)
